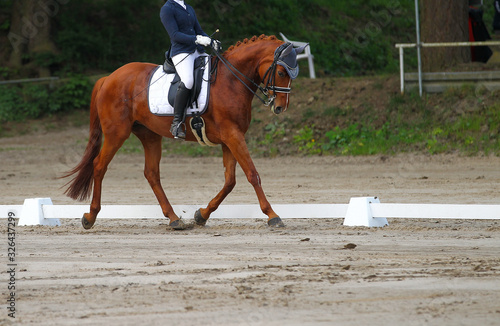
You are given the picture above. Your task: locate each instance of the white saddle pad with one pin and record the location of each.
(159, 85)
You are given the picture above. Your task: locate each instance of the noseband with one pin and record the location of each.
(270, 75)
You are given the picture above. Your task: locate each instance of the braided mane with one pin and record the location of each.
(251, 40)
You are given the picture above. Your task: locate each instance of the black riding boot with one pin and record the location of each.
(180, 104)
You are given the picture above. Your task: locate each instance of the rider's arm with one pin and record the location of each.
(168, 20)
(197, 27)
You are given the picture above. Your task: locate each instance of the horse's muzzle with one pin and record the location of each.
(277, 109)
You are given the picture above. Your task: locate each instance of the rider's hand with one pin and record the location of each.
(216, 45)
(203, 40)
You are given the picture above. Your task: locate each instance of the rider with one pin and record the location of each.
(187, 40)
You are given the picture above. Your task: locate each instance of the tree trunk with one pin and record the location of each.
(18, 42)
(444, 21)
(30, 35)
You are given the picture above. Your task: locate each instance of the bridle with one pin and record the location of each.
(271, 80)
(270, 75)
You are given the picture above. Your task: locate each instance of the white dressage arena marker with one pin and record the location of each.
(361, 211)
(32, 213)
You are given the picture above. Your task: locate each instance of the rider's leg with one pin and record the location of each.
(180, 103)
(184, 65)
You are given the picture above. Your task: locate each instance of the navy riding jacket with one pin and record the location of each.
(182, 27)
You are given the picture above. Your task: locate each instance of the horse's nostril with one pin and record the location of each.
(278, 110)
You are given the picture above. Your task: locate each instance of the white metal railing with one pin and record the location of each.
(31, 80)
(402, 46)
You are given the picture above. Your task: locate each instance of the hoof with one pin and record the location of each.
(178, 225)
(85, 223)
(276, 222)
(199, 219)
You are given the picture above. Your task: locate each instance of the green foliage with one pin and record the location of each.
(432, 124)
(306, 141)
(335, 111)
(308, 114)
(4, 72)
(274, 133)
(5, 25)
(10, 104)
(346, 140)
(5, 6)
(29, 101)
(346, 37)
(46, 59)
(433, 143)
(109, 34)
(19, 103)
(74, 93)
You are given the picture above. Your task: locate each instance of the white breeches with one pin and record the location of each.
(184, 65)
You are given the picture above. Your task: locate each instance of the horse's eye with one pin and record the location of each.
(281, 73)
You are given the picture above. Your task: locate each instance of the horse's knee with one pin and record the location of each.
(254, 179)
(230, 183)
(151, 175)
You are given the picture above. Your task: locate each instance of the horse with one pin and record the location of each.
(119, 107)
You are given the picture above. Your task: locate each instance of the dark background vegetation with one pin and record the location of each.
(347, 37)
(351, 41)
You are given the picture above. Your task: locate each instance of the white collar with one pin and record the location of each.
(181, 2)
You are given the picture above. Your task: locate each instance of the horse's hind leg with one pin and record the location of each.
(112, 142)
(152, 151)
(201, 216)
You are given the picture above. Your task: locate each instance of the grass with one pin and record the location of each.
(433, 124)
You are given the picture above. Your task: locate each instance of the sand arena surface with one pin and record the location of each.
(240, 272)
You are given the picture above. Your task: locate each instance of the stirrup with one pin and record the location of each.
(177, 131)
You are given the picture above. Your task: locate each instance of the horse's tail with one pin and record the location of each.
(80, 186)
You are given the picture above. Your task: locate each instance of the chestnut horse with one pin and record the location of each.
(119, 106)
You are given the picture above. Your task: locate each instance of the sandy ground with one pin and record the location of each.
(240, 272)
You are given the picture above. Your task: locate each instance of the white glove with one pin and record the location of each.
(216, 45)
(203, 40)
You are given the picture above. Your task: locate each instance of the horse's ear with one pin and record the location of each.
(301, 49)
(287, 50)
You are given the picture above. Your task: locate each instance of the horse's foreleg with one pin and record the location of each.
(239, 149)
(201, 216)
(152, 151)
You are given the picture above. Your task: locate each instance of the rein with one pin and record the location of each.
(271, 71)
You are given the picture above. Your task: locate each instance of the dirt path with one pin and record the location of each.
(239, 272)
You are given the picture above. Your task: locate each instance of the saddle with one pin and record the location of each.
(199, 69)
(162, 93)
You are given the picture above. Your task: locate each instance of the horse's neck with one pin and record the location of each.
(247, 60)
